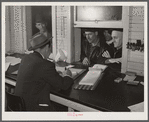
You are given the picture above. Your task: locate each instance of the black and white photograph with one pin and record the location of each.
(74, 61)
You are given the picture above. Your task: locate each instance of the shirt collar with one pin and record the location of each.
(41, 55)
(119, 48)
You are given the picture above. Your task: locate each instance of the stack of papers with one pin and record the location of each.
(91, 77)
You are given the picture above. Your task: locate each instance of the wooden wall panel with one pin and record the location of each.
(139, 72)
(135, 65)
(136, 35)
(136, 27)
(136, 19)
(135, 59)
(63, 31)
(136, 56)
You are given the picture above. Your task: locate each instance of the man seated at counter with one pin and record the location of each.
(93, 47)
(117, 37)
(37, 76)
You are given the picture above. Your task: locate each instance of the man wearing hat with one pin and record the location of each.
(41, 25)
(37, 76)
(93, 46)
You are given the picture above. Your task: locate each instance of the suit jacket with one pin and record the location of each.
(117, 54)
(36, 78)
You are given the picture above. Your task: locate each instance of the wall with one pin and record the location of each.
(62, 31)
(7, 29)
(18, 29)
(134, 60)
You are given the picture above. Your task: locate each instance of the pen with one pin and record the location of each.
(65, 68)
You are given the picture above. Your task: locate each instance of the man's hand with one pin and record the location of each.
(109, 42)
(106, 54)
(115, 60)
(67, 72)
(86, 61)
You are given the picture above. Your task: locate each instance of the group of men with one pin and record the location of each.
(95, 50)
(37, 76)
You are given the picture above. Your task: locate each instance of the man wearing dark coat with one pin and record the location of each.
(93, 47)
(115, 61)
(37, 76)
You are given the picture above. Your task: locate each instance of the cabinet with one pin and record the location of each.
(100, 16)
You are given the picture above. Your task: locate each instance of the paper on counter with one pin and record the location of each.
(12, 60)
(91, 77)
(129, 78)
(28, 52)
(69, 66)
(7, 65)
(15, 72)
(142, 83)
(61, 55)
(100, 66)
(61, 69)
(137, 107)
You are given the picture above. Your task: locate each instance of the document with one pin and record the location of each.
(61, 69)
(74, 71)
(137, 107)
(12, 60)
(129, 78)
(15, 72)
(93, 75)
(7, 65)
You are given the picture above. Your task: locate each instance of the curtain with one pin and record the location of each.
(16, 32)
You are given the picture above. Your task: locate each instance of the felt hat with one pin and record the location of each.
(90, 29)
(38, 41)
(40, 19)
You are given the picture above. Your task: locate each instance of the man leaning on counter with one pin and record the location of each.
(37, 76)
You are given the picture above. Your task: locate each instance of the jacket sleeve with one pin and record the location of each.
(83, 49)
(52, 77)
(110, 49)
(101, 59)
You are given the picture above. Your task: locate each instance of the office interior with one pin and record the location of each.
(66, 24)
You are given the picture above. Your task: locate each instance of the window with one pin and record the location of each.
(98, 13)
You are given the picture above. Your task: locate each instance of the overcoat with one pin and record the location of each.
(36, 78)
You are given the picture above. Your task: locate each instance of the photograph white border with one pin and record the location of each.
(85, 115)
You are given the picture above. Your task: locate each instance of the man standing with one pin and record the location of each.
(37, 76)
(41, 25)
(93, 47)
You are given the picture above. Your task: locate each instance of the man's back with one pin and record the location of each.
(36, 77)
